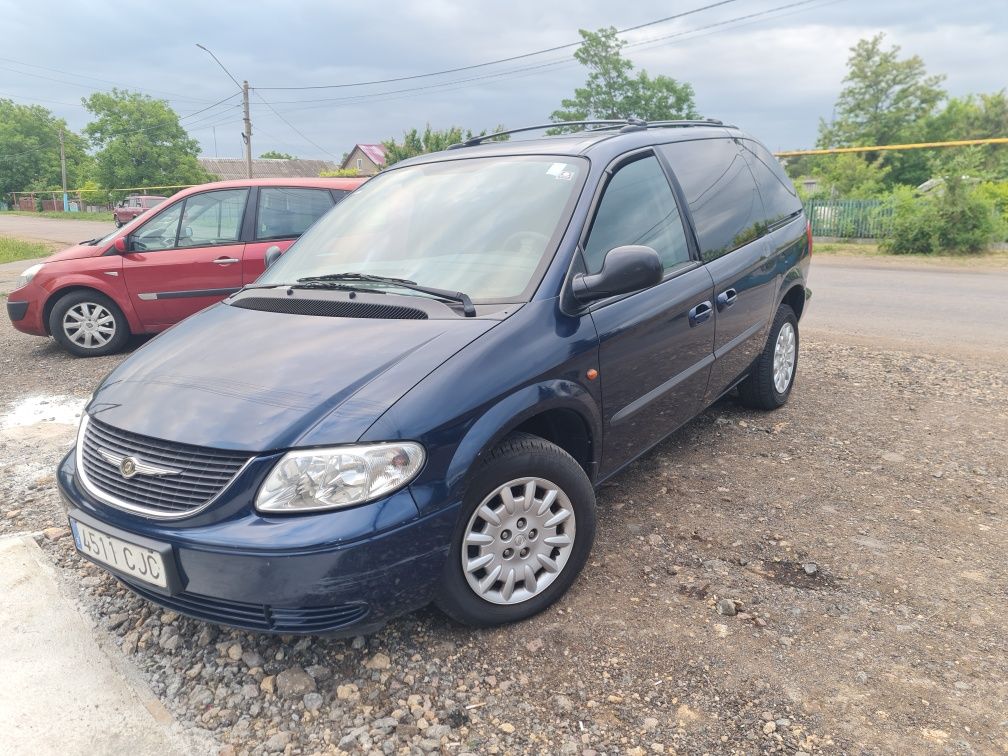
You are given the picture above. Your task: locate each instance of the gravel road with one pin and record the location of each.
(57, 230)
(826, 578)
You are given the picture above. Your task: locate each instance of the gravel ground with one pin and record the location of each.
(827, 578)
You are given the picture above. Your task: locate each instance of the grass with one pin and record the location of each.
(994, 258)
(17, 249)
(105, 217)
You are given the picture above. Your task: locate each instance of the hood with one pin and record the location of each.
(76, 252)
(248, 380)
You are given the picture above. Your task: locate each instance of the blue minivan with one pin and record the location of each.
(417, 402)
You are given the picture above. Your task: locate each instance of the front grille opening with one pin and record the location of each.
(197, 474)
(330, 308)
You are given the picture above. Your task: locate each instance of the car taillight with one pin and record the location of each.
(808, 235)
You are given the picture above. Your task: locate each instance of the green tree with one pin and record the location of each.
(976, 117)
(885, 100)
(613, 92)
(274, 155)
(430, 140)
(29, 149)
(850, 175)
(140, 142)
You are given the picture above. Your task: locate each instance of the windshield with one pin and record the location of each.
(481, 226)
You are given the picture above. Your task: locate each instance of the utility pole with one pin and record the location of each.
(66, 202)
(244, 86)
(248, 130)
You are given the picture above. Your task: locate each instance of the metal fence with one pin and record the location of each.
(848, 219)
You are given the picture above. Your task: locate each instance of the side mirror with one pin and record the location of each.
(624, 270)
(119, 245)
(272, 255)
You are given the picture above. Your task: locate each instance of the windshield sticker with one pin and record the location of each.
(561, 171)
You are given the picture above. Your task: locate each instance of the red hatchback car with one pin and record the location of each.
(196, 248)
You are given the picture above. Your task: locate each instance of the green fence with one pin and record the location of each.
(848, 219)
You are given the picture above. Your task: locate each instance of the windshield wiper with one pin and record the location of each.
(334, 278)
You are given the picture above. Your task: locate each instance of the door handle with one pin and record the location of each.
(726, 299)
(700, 313)
(226, 260)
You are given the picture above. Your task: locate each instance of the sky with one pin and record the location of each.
(774, 75)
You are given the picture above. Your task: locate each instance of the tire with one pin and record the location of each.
(521, 460)
(107, 333)
(118, 223)
(768, 387)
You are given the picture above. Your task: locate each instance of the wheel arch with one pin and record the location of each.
(69, 288)
(794, 297)
(562, 411)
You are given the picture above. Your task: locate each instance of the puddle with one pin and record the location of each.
(35, 410)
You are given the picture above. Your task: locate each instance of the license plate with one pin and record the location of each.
(136, 561)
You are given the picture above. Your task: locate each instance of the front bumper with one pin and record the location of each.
(231, 572)
(26, 315)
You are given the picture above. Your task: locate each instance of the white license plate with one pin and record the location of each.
(137, 561)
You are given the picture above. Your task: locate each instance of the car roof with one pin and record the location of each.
(344, 184)
(601, 144)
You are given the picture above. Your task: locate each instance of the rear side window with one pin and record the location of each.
(780, 200)
(286, 212)
(638, 207)
(721, 194)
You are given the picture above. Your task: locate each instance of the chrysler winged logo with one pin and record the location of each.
(131, 466)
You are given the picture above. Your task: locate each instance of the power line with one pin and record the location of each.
(382, 96)
(293, 127)
(501, 60)
(177, 97)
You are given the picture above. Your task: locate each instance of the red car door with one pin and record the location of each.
(187, 257)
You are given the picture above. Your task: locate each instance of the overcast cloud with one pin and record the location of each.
(775, 76)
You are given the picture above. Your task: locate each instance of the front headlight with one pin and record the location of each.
(313, 479)
(26, 276)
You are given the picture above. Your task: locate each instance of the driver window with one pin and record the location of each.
(212, 218)
(159, 232)
(638, 207)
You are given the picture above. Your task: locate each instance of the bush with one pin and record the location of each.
(955, 218)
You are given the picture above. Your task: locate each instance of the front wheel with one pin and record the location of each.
(772, 375)
(525, 530)
(88, 324)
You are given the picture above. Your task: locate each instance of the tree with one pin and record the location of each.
(29, 149)
(274, 155)
(885, 100)
(976, 117)
(851, 176)
(431, 140)
(613, 92)
(140, 142)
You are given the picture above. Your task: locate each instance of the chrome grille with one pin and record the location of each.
(201, 473)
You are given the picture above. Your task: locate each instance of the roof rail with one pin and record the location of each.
(625, 125)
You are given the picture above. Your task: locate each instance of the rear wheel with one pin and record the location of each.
(524, 533)
(88, 324)
(772, 375)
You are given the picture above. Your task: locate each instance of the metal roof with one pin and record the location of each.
(234, 168)
(375, 152)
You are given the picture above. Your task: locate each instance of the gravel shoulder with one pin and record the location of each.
(826, 578)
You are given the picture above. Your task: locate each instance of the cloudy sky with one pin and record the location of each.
(775, 75)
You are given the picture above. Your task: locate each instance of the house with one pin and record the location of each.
(225, 169)
(366, 159)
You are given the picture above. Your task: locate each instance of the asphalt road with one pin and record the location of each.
(52, 229)
(927, 310)
(877, 302)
